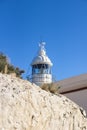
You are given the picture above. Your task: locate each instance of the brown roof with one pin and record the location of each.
(73, 84)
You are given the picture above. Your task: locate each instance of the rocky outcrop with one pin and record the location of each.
(25, 106)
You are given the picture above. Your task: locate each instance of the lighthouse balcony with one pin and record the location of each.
(41, 78)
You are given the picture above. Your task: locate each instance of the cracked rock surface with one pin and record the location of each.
(25, 106)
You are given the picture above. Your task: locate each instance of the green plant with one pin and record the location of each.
(3, 62)
(10, 68)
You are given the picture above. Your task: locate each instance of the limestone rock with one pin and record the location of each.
(25, 106)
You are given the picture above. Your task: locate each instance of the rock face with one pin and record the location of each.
(24, 106)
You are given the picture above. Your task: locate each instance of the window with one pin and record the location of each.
(41, 69)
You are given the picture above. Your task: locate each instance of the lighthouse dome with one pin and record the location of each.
(41, 57)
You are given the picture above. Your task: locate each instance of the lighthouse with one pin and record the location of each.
(41, 67)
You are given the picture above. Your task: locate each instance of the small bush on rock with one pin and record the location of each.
(52, 87)
(6, 67)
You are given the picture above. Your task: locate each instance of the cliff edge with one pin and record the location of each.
(25, 106)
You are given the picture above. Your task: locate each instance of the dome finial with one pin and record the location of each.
(41, 45)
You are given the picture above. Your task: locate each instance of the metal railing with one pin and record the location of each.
(31, 78)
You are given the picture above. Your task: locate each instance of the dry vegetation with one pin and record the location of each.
(7, 68)
(53, 88)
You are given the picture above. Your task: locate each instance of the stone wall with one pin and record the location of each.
(25, 106)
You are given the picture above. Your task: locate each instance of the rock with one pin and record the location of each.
(83, 111)
(25, 106)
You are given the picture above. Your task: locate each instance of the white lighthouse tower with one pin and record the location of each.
(41, 67)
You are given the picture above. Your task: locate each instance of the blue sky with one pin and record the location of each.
(62, 24)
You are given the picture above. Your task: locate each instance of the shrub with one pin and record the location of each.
(3, 62)
(10, 68)
(52, 87)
